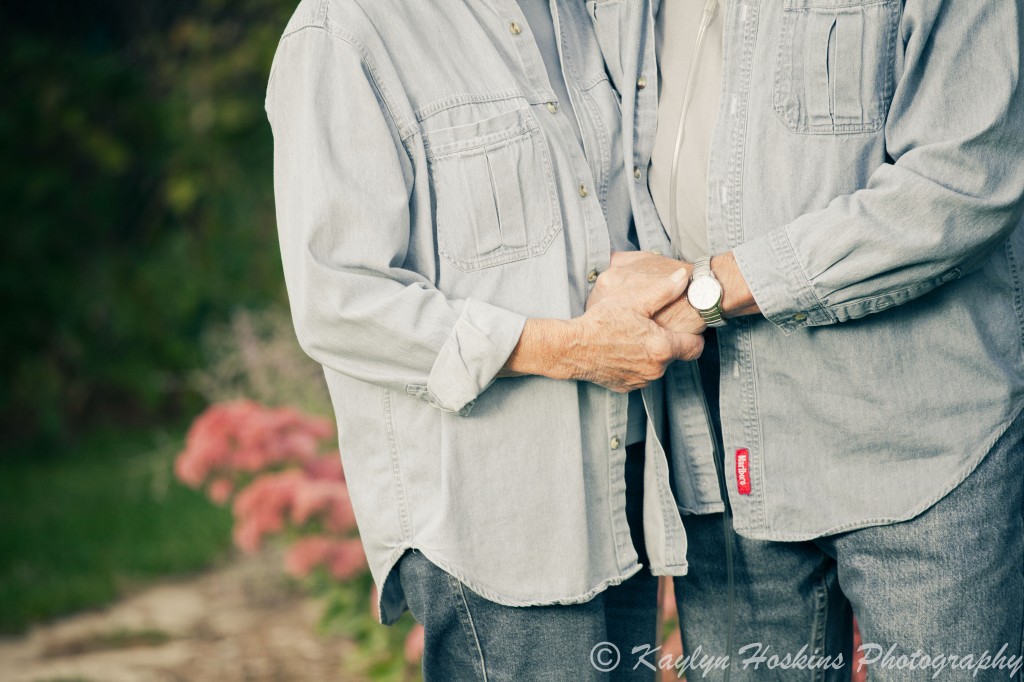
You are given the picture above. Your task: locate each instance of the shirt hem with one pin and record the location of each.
(388, 618)
(950, 486)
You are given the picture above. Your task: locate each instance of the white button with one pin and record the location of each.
(552, 107)
(514, 29)
(615, 443)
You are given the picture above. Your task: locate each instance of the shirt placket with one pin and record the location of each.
(725, 231)
(645, 124)
(583, 275)
(641, 112)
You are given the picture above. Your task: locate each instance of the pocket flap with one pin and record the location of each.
(480, 134)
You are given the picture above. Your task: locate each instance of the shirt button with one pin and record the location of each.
(514, 29)
(552, 107)
(636, 172)
(592, 276)
(800, 317)
(656, 251)
(583, 190)
(641, 82)
(615, 443)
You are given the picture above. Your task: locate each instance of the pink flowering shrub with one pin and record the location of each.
(277, 469)
(284, 481)
(242, 438)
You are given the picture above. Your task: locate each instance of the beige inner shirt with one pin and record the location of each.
(676, 32)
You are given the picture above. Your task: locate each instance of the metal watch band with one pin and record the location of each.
(713, 316)
(701, 268)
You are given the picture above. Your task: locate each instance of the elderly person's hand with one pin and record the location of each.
(615, 343)
(631, 273)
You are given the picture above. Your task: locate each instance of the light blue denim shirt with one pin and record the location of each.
(432, 195)
(867, 170)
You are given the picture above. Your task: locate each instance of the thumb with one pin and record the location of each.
(664, 291)
(686, 346)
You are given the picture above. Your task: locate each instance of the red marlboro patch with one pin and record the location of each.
(743, 471)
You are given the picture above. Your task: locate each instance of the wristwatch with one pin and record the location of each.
(705, 293)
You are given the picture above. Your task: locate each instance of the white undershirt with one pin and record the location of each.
(676, 29)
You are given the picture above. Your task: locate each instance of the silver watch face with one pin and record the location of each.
(704, 293)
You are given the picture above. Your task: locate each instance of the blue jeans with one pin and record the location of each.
(949, 582)
(467, 637)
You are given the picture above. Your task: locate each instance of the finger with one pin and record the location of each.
(671, 320)
(672, 313)
(634, 385)
(664, 291)
(680, 317)
(622, 387)
(686, 346)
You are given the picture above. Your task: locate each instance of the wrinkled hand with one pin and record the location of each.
(618, 345)
(631, 273)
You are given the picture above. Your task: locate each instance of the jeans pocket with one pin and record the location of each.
(494, 191)
(834, 65)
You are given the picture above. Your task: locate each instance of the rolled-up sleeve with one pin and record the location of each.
(343, 182)
(951, 195)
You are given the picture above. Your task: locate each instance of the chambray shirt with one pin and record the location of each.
(431, 196)
(867, 170)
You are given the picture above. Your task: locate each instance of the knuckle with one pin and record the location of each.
(695, 349)
(660, 350)
(653, 371)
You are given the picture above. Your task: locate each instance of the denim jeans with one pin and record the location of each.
(467, 637)
(949, 582)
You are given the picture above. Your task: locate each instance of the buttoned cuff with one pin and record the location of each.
(479, 345)
(778, 283)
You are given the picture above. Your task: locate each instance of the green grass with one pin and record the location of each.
(78, 529)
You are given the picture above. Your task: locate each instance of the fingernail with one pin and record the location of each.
(679, 275)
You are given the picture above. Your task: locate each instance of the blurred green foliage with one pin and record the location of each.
(378, 652)
(136, 186)
(75, 531)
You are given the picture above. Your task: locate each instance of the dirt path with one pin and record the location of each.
(238, 623)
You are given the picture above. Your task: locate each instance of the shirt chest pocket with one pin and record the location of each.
(834, 71)
(494, 191)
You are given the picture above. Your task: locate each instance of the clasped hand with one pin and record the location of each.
(638, 322)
